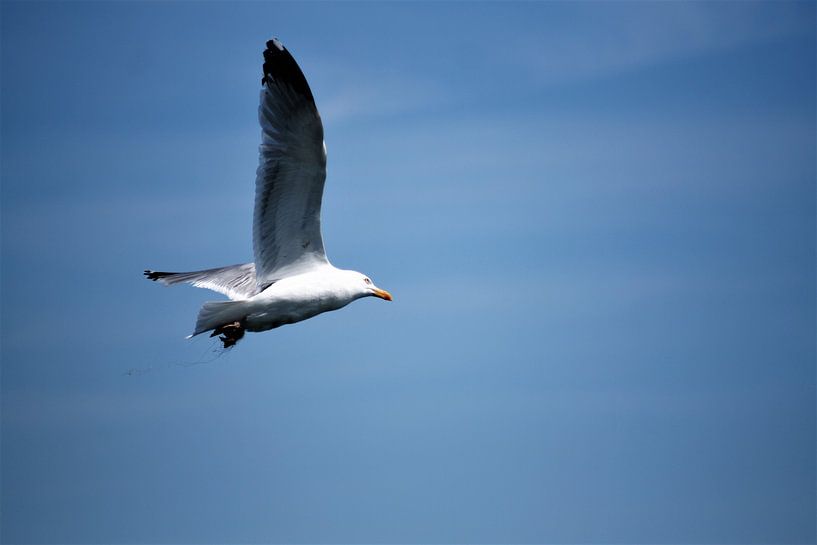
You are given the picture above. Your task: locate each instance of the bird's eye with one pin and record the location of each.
(367, 280)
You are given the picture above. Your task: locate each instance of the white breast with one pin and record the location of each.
(299, 297)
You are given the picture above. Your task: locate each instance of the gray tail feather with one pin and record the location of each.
(214, 314)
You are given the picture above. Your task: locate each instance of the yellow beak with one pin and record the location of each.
(383, 294)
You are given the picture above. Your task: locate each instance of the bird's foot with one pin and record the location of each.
(229, 334)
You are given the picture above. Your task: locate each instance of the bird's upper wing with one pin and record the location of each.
(291, 172)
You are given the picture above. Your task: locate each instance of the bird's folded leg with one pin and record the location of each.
(230, 333)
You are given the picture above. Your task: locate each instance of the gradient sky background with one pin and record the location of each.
(598, 222)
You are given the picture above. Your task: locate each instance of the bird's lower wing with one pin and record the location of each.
(236, 281)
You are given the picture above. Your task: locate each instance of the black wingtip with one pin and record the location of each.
(276, 43)
(155, 275)
(280, 68)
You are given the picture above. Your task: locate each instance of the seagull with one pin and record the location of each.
(291, 279)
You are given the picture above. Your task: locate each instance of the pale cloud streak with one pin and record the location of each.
(345, 91)
(606, 39)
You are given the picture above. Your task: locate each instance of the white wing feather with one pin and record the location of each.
(236, 281)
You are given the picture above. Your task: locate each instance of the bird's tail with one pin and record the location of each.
(215, 314)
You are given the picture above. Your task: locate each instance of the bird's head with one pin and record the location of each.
(364, 286)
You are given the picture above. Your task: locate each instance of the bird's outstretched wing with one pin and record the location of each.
(236, 281)
(291, 172)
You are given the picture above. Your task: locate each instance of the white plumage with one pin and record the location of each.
(291, 279)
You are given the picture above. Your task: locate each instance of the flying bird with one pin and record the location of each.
(291, 279)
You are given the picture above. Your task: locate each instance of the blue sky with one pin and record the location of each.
(597, 220)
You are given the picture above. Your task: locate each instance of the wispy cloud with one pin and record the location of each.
(604, 39)
(346, 91)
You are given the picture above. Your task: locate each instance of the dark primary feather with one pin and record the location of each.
(280, 66)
